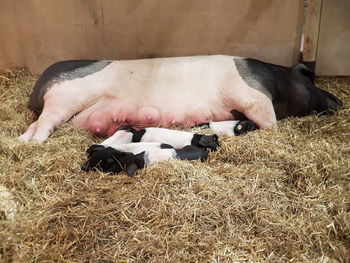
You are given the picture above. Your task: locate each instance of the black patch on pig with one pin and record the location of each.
(291, 89)
(208, 142)
(100, 157)
(242, 127)
(191, 152)
(166, 146)
(94, 148)
(137, 135)
(238, 115)
(113, 161)
(59, 72)
(249, 69)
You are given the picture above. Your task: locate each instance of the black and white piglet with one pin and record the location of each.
(130, 150)
(131, 157)
(175, 138)
(179, 139)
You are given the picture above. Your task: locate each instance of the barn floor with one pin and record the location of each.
(270, 196)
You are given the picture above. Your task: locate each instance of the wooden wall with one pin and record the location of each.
(333, 51)
(37, 33)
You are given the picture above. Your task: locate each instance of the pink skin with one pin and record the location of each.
(102, 123)
(159, 93)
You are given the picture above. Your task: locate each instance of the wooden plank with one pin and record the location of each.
(36, 33)
(333, 52)
(312, 26)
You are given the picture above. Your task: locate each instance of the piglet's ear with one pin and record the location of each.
(138, 163)
(131, 169)
(140, 159)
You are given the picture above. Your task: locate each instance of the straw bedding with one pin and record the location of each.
(270, 196)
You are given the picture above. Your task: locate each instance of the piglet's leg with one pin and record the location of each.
(119, 137)
(231, 128)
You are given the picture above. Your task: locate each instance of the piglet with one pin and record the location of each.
(175, 138)
(131, 157)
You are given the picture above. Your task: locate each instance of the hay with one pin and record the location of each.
(279, 195)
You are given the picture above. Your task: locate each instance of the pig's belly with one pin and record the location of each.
(165, 92)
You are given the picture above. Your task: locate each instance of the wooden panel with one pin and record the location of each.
(312, 25)
(333, 53)
(36, 33)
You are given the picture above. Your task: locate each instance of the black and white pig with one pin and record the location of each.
(101, 96)
(130, 150)
(131, 157)
(175, 138)
(179, 139)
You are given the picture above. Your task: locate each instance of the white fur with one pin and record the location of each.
(180, 90)
(177, 139)
(153, 152)
(223, 127)
(120, 137)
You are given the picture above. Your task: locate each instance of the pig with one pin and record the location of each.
(102, 96)
(177, 139)
(131, 157)
(130, 150)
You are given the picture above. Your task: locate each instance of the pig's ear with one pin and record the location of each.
(138, 163)
(140, 159)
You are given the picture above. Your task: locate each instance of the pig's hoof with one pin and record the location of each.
(113, 161)
(23, 138)
(242, 127)
(207, 142)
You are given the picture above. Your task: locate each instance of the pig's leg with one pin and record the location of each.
(254, 105)
(259, 109)
(40, 130)
(61, 103)
(29, 133)
(262, 114)
(52, 116)
(119, 137)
